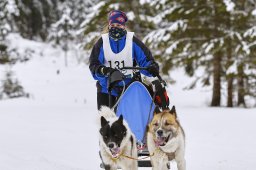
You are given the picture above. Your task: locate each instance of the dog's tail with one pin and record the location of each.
(107, 112)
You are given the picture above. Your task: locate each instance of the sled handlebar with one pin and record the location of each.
(143, 68)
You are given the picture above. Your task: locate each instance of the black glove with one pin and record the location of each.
(105, 70)
(153, 69)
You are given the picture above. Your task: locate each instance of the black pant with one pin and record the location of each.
(103, 100)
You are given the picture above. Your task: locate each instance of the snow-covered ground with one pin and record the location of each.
(56, 128)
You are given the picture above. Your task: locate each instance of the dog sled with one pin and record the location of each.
(136, 104)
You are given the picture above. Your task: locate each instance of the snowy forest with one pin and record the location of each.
(214, 41)
(206, 50)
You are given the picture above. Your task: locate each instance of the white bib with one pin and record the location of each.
(121, 59)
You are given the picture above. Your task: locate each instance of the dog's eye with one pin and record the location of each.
(124, 133)
(167, 124)
(105, 137)
(155, 124)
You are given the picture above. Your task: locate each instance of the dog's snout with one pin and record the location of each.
(160, 132)
(111, 145)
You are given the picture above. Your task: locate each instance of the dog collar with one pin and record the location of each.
(116, 158)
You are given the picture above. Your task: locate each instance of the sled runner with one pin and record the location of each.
(137, 106)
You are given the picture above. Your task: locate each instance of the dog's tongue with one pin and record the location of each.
(160, 141)
(115, 152)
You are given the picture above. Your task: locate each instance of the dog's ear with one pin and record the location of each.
(120, 119)
(173, 111)
(157, 110)
(101, 131)
(103, 121)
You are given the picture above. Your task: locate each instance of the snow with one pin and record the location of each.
(163, 34)
(179, 24)
(208, 47)
(155, 36)
(251, 32)
(21, 45)
(114, 6)
(94, 12)
(130, 16)
(56, 128)
(229, 5)
(158, 19)
(254, 12)
(12, 8)
(172, 47)
(6, 28)
(65, 19)
(142, 2)
(232, 69)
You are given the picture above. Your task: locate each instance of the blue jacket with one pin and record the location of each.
(141, 57)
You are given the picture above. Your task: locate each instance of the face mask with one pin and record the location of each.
(116, 33)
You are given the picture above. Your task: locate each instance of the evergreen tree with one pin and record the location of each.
(36, 17)
(8, 10)
(63, 32)
(187, 34)
(79, 10)
(241, 62)
(247, 66)
(88, 10)
(11, 87)
(4, 25)
(201, 35)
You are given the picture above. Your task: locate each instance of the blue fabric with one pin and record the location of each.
(118, 46)
(137, 108)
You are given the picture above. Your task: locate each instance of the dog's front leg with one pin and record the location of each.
(134, 165)
(181, 165)
(155, 164)
(130, 165)
(109, 167)
(160, 161)
(165, 165)
(181, 162)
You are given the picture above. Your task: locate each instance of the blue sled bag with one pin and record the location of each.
(137, 108)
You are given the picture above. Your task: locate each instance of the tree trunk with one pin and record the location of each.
(230, 91)
(216, 93)
(230, 77)
(241, 88)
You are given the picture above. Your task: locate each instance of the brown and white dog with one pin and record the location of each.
(166, 140)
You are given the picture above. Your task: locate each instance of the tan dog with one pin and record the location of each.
(166, 140)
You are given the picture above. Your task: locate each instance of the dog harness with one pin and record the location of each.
(121, 59)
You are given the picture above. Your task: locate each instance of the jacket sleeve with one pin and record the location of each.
(96, 59)
(142, 55)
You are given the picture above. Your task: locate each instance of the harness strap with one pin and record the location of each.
(129, 157)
